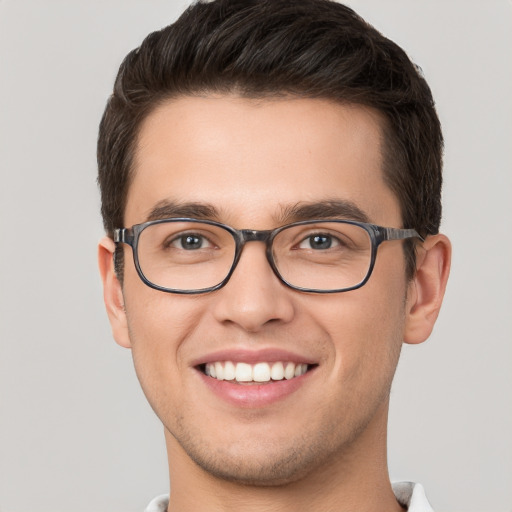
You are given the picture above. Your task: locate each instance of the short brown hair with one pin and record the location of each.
(261, 48)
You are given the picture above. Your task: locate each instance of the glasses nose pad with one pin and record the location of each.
(272, 262)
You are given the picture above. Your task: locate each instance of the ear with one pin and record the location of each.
(426, 290)
(113, 292)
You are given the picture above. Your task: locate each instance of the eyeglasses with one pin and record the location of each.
(192, 256)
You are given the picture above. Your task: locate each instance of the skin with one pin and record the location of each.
(322, 447)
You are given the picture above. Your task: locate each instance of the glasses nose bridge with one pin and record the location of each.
(254, 235)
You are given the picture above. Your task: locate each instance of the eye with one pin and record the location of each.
(319, 241)
(190, 242)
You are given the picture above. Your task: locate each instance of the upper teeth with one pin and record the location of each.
(259, 372)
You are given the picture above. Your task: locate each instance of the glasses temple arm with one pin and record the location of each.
(401, 234)
(123, 236)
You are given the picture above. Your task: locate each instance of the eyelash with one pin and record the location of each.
(179, 239)
(334, 241)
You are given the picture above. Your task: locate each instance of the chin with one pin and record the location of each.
(271, 469)
(262, 460)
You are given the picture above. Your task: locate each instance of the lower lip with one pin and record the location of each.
(254, 395)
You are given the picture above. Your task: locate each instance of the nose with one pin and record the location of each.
(254, 297)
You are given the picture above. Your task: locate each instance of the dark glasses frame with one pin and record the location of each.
(377, 234)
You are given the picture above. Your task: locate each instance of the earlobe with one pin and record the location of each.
(113, 293)
(426, 289)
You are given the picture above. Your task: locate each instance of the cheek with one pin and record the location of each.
(365, 328)
(159, 323)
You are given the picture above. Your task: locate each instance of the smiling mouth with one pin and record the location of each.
(258, 373)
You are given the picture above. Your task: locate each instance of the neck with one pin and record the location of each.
(355, 479)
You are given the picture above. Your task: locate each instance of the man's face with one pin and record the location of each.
(250, 161)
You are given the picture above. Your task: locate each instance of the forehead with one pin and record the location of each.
(248, 157)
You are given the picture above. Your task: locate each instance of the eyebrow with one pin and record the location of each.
(328, 209)
(168, 209)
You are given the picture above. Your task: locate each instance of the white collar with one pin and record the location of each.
(411, 496)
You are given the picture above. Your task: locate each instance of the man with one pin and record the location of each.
(270, 175)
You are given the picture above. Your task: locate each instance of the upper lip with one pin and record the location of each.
(267, 355)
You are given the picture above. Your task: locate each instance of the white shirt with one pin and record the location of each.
(409, 495)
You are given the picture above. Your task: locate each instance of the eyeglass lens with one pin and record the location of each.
(191, 255)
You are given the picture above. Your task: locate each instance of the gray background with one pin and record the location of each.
(75, 431)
